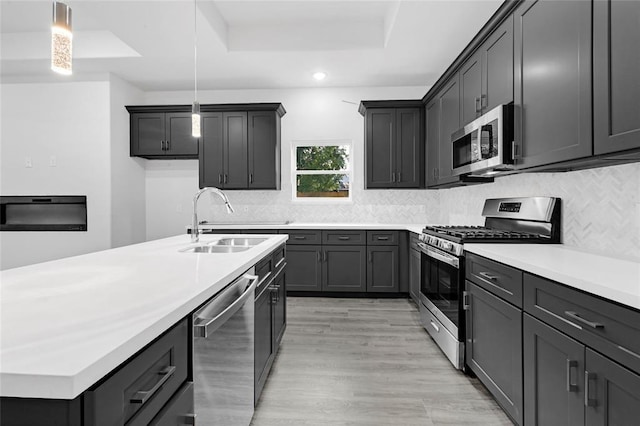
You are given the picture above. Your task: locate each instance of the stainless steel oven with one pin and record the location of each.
(441, 297)
(507, 220)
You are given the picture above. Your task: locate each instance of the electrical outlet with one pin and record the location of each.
(245, 209)
(27, 162)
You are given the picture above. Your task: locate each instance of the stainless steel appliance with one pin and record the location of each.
(507, 220)
(484, 146)
(223, 352)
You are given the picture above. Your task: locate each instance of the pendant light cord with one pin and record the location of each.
(195, 52)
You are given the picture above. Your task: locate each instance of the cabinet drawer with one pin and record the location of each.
(303, 236)
(382, 238)
(344, 237)
(501, 280)
(179, 411)
(139, 389)
(279, 256)
(608, 328)
(264, 271)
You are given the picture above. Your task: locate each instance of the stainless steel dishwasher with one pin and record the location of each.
(223, 346)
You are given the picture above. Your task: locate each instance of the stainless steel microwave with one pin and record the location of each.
(484, 146)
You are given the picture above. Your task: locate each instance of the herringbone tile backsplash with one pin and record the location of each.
(600, 207)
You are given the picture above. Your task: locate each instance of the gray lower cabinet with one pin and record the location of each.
(304, 269)
(494, 347)
(554, 366)
(270, 315)
(382, 269)
(179, 410)
(344, 268)
(552, 84)
(616, 66)
(612, 392)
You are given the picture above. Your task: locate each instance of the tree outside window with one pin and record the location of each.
(322, 171)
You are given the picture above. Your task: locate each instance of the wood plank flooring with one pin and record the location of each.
(367, 362)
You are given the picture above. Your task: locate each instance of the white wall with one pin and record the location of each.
(127, 173)
(312, 114)
(71, 122)
(601, 207)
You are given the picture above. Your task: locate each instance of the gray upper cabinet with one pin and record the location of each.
(432, 126)
(486, 78)
(471, 88)
(552, 85)
(264, 150)
(497, 67)
(448, 113)
(161, 135)
(616, 67)
(241, 149)
(393, 144)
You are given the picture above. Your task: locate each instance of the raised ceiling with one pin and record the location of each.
(246, 44)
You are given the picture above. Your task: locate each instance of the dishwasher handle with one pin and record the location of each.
(209, 325)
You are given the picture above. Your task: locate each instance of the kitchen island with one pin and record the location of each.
(69, 323)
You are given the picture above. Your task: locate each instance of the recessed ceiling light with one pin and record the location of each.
(319, 75)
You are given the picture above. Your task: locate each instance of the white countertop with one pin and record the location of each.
(416, 228)
(607, 277)
(65, 324)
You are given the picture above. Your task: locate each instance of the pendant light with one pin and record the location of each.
(195, 110)
(61, 38)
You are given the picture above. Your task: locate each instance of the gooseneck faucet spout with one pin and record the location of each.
(195, 233)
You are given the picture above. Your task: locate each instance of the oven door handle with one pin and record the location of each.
(439, 255)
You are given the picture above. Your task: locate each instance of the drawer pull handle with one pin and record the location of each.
(488, 276)
(141, 397)
(571, 364)
(630, 352)
(575, 316)
(299, 237)
(435, 327)
(344, 238)
(588, 401)
(383, 238)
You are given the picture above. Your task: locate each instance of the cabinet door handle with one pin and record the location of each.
(488, 276)
(220, 178)
(168, 145)
(226, 178)
(250, 177)
(465, 301)
(571, 364)
(477, 104)
(399, 177)
(577, 317)
(483, 101)
(319, 257)
(588, 401)
(141, 397)
(162, 145)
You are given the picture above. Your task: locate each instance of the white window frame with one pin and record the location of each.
(295, 172)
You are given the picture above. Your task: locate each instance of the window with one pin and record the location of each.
(322, 170)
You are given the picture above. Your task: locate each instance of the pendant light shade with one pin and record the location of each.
(195, 110)
(195, 120)
(61, 39)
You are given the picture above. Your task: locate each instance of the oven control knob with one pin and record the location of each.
(447, 245)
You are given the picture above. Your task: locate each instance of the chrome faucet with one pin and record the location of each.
(195, 233)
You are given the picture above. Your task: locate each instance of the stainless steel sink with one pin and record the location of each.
(209, 248)
(238, 242)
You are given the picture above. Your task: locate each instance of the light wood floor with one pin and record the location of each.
(367, 362)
